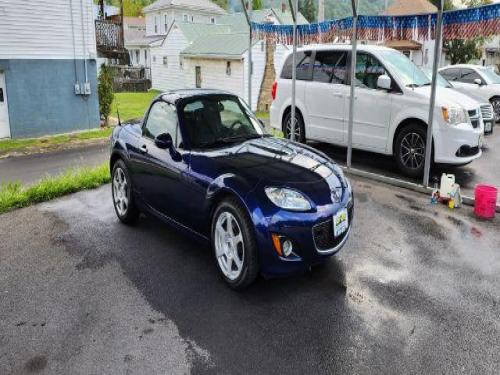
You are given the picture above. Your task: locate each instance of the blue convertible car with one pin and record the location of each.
(202, 162)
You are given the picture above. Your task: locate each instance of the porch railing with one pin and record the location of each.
(108, 35)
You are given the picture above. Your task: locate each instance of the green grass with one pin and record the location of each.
(132, 105)
(48, 141)
(262, 115)
(15, 195)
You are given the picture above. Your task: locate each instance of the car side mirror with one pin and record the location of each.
(478, 82)
(164, 141)
(384, 82)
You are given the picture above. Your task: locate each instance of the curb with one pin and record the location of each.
(469, 201)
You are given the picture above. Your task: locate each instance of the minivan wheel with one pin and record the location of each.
(299, 127)
(234, 245)
(495, 102)
(123, 199)
(410, 150)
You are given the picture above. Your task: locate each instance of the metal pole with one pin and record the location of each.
(354, 44)
(293, 8)
(437, 58)
(250, 63)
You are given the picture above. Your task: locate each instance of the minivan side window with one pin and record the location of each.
(469, 75)
(451, 74)
(330, 67)
(303, 66)
(162, 118)
(368, 69)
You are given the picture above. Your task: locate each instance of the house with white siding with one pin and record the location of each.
(214, 55)
(48, 75)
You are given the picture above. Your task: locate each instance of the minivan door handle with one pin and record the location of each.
(143, 149)
(338, 94)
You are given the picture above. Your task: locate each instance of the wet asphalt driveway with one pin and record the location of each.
(415, 290)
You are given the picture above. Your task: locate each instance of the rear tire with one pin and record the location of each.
(409, 150)
(123, 198)
(234, 244)
(495, 102)
(300, 133)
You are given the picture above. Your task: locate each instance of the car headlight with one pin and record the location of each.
(288, 199)
(455, 115)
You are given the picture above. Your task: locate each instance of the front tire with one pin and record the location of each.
(234, 244)
(410, 150)
(300, 134)
(123, 198)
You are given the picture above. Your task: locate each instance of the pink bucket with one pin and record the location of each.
(486, 201)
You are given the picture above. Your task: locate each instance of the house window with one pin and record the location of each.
(228, 68)
(166, 24)
(137, 56)
(181, 62)
(165, 61)
(154, 58)
(156, 25)
(185, 17)
(145, 56)
(212, 20)
(192, 18)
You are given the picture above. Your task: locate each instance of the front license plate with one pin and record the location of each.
(487, 126)
(340, 222)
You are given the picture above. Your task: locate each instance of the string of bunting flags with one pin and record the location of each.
(469, 23)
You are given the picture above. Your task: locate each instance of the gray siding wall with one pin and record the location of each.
(42, 100)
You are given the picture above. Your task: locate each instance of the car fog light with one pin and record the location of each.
(287, 248)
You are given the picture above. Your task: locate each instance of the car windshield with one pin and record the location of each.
(490, 76)
(441, 81)
(407, 71)
(218, 120)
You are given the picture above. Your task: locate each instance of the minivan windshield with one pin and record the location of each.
(490, 76)
(406, 70)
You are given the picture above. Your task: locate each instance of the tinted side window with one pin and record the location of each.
(468, 76)
(330, 67)
(304, 62)
(451, 74)
(368, 69)
(162, 118)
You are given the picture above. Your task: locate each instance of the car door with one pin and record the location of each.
(373, 106)
(158, 172)
(325, 97)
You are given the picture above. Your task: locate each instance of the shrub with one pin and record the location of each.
(105, 91)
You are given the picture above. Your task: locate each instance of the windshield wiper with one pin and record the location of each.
(236, 138)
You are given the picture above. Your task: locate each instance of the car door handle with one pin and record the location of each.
(338, 94)
(143, 149)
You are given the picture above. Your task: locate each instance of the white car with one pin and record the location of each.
(391, 107)
(478, 80)
(487, 112)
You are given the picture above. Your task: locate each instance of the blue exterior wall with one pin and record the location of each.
(42, 100)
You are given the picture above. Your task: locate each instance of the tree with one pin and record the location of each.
(257, 4)
(105, 92)
(308, 9)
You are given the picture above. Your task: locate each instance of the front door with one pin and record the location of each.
(158, 173)
(4, 111)
(326, 97)
(198, 76)
(372, 106)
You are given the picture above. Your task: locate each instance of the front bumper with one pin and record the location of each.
(458, 144)
(310, 246)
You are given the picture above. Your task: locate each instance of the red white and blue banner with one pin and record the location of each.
(482, 21)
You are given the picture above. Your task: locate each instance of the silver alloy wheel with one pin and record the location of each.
(288, 128)
(412, 152)
(229, 245)
(120, 191)
(496, 108)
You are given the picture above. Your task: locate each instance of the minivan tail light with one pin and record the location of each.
(273, 91)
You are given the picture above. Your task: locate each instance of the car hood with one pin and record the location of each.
(449, 97)
(275, 162)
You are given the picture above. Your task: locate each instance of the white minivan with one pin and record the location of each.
(391, 106)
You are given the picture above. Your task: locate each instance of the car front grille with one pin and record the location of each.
(487, 112)
(466, 151)
(474, 118)
(323, 233)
